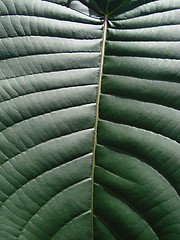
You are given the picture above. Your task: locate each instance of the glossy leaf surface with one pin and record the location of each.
(89, 120)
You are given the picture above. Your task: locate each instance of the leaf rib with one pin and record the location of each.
(97, 114)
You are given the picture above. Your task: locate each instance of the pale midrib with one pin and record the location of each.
(97, 114)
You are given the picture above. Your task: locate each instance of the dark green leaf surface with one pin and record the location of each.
(89, 119)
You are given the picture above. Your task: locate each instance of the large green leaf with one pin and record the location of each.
(89, 119)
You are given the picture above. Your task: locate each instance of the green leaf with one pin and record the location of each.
(89, 119)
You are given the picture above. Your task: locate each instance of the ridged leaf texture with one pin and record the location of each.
(89, 119)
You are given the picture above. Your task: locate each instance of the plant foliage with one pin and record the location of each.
(89, 119)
